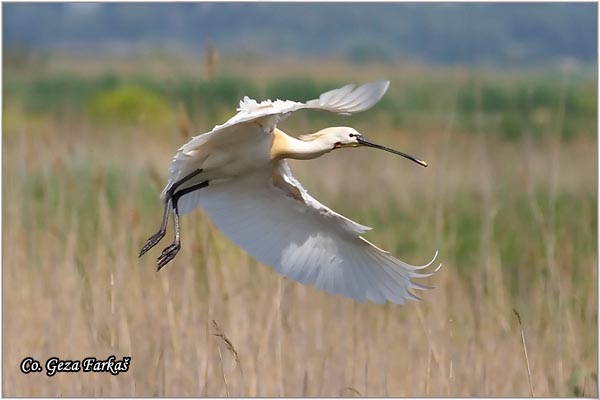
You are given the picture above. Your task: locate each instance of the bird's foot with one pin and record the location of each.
(152, 241)
(168, 254)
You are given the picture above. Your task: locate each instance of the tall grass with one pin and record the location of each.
(514, 220)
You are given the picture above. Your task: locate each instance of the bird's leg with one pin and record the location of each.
(171, 250)
(157, 237)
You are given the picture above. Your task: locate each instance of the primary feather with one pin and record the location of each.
(303, 239)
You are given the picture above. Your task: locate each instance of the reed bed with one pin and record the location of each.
(514, 221)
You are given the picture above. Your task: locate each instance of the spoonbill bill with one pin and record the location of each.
(238, 174)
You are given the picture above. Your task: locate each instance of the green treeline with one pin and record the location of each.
(509, 106)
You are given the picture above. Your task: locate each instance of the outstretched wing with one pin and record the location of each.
(272, 217)
(255, 119)
(347, 99)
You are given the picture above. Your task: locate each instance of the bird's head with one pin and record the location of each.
(342, 136)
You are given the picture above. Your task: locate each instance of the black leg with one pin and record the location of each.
(171, 250)
(157, 237)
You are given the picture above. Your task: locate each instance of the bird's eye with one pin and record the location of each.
(352, 135)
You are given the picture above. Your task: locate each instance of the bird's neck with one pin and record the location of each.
(285, 146)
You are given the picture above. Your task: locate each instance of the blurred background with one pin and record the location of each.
(500, 99)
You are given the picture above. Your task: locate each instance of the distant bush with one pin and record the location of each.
(129, 104)
(529, 105)
(62, 94)
(56, 94)
(208, 97)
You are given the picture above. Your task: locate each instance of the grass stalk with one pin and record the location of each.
(223, 371)
(525, 352)
(231, 348)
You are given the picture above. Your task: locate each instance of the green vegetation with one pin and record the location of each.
(510, 106)
(128, 104)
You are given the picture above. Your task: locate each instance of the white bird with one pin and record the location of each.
(238, 174)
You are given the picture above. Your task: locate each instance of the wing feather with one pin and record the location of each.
(349, 99)
(303, 239)
(362, 268)
(334, 97)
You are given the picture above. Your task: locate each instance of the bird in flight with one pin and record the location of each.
(238, 174)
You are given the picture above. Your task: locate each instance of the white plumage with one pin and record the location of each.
(250, 194)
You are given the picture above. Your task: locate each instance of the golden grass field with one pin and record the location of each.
(515, 223)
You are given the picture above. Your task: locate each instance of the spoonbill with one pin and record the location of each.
(238, 174)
